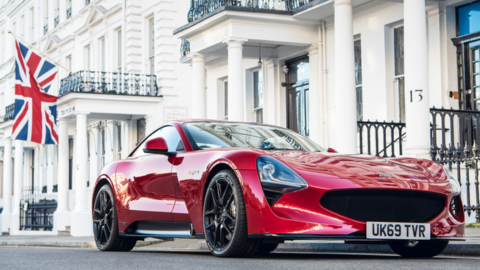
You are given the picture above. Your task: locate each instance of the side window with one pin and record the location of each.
(170, 135)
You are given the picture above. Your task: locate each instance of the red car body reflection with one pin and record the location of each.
(172, 188)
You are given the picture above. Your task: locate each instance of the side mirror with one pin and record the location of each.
(156, 146)
(331, 150)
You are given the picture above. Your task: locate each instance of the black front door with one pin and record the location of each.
(298, 95)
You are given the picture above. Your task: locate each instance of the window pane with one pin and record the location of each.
(469, 19)
(103, 55)
(303, 71)
(399, 53)
(119, 50)
(226, 100)
(358, 62)
(257, 89)
(141, 129)
(359, 104)
(401, 99)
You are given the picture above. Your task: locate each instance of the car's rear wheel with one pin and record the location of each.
(225, 218)
(424, 249)
(105, 223)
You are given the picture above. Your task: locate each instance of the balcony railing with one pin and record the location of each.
(86, 81)
(9, 112)
(56, 21)
(45, 29)
(185, 48)
(199, 8)
(69, 12)
(87, 2)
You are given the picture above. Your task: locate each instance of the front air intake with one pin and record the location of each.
(387, 205)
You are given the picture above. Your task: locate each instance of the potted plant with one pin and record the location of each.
(44, 189)
(55, 188)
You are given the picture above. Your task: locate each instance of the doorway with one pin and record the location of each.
(298, 91)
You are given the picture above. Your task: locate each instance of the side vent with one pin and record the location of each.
(272, 197)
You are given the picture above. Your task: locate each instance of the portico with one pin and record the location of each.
(226, 46)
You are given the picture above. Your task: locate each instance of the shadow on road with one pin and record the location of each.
(302, 256)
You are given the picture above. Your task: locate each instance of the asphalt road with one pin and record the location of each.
(56, 258)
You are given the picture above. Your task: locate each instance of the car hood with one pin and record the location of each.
(363, 170)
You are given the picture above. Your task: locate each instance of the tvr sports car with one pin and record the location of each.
(245, 188)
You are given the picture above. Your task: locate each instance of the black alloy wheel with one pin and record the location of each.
(103, 217)
(105, 223)
(224, 218)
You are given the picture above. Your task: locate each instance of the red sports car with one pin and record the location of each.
(246, 187)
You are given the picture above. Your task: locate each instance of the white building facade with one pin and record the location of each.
(318, 67)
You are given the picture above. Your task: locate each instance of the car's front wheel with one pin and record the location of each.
(225, 218)
(105, 223)
(424, 249)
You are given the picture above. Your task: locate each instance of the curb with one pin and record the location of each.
(452, 249)
(66, 244)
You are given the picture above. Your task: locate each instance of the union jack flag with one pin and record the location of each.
(35, 110)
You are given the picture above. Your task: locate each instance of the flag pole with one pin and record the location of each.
(53, 60)
(43, 54)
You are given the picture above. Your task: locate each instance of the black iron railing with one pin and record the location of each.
(381, 138)
(185, 48)
(102, 82)
(56, 21)
(87, 2)
(9, 112)
(36, 213)
(69, 12)
(199, 8)
(45, 29)
(455, 136)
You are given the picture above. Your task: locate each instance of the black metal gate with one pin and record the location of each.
(36, 214)
(459, 130)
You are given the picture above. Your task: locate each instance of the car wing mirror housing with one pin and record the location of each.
(331, 150)
(156, 146)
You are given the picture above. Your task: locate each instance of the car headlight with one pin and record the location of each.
(277, 177)
(456, 189)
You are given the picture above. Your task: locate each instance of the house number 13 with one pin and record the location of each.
(416, 92)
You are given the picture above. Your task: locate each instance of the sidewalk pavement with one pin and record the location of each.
(59, 241)
(470, 247)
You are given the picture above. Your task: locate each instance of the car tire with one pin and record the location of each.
(418, 249)
(105, 223)
(266, 248)
(225, 218)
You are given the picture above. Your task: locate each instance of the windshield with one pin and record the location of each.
(211, 135)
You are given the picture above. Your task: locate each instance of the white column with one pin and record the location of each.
(81, 216)
(198, 88)
(345, 95)
(315, 104)
(125, 139)
(270, 82)
(416, 79)
(7, 184)
(150, 125)
(236, 90)
(17, 187)
(62, 214)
